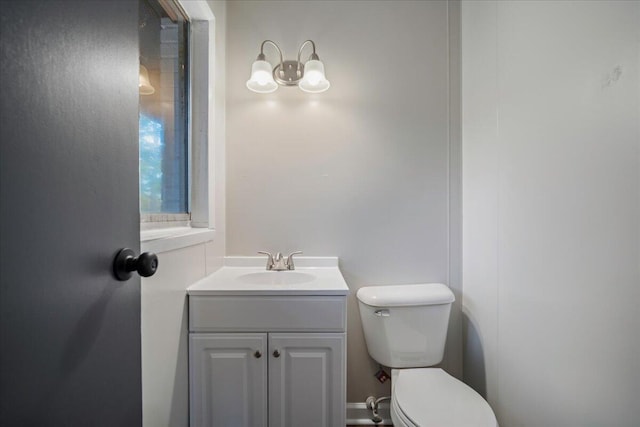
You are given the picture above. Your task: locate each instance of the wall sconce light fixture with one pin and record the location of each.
(309, 77)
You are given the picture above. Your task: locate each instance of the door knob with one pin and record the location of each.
(276, 353)
(257, 354)
(126, 262)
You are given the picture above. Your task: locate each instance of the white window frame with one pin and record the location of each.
(163, 232)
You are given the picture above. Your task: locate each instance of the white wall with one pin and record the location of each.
(551, 190)
(165, 387)
(360, 171)
(165, 375)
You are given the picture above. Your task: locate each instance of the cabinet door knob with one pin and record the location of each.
(276, 353)
(257, 354)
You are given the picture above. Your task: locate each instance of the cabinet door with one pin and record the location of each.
(228, 380)
(307, 384)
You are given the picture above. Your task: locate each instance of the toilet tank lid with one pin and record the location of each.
(406, 295)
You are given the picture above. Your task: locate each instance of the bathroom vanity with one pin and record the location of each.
(268, 348)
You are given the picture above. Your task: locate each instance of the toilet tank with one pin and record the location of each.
(405, 326)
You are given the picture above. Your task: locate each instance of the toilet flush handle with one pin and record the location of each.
(382, 313)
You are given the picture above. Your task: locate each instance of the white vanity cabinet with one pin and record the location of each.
(228, 379)
(269, 356)
(307, 379)
(279, 379)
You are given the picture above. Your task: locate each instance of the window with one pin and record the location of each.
(202, 75)
(164, 106)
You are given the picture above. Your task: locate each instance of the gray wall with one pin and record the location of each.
(551, 145)
(360, 171)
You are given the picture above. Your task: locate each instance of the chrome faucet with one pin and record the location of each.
(279, 263)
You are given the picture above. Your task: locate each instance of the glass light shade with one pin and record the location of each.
(261, 80)
(314, 80)
(144, 85)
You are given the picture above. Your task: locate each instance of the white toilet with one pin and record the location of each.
(405, 327)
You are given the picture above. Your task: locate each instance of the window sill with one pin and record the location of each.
(169, 239)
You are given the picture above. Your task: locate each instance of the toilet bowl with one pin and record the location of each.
(405, 328)
(430, 397)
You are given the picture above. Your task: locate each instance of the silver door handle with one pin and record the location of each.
(382, 313)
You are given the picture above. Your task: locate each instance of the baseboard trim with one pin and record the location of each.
(359, 415)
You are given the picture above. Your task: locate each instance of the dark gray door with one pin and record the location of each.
(70, 333)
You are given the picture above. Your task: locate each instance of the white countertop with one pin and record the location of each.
(248, 276)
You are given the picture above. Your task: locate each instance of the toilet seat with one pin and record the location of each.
(430, 397)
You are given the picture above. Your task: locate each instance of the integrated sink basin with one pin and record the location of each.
(276, 278)
(248, 276)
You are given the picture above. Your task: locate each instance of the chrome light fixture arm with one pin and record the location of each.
(262, 57)
(313, 55)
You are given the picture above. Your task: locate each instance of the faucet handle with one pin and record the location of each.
(269, 259)
(289, 261)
